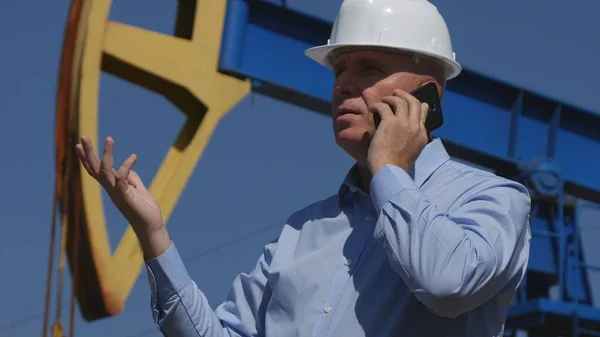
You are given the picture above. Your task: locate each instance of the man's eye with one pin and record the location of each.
(370, 68)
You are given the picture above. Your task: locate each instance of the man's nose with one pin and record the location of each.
(346, 87)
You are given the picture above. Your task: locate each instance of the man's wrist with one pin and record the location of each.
(154, 244)
(378, 166)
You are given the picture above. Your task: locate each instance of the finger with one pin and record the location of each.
(121, 185)
(126, 167)
(424, 112)
(135, 180)
(382, 109)
(398, 105)
(93, 163)
(414, 105)
(106, 166)
(81, 155)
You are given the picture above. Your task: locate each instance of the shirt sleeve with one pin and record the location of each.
(180, 308)
(453, 262)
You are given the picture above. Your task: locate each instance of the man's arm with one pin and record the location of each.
(180, 309)
(452, 263)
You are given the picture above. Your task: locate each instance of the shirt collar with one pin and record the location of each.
(431, 158)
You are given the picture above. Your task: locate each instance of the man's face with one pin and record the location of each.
(363, 78)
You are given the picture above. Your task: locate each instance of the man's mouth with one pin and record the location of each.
(345, 111)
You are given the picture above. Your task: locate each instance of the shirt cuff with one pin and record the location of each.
(387, 182)
(166, 273)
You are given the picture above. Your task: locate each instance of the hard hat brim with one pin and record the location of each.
(323, 55)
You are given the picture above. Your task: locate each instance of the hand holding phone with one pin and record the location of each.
(426, 94)
(401, 143)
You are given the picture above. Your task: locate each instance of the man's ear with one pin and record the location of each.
(430, 71)
(442, 89)
(440, 86)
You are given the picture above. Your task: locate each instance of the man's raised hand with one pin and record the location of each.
(123, 186)
(401, 135)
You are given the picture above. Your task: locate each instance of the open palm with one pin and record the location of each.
(123, 186)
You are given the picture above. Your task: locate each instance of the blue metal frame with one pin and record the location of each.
(520, 135)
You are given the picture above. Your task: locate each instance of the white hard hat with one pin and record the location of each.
(413, 26)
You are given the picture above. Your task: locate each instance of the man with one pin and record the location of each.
(413, 243)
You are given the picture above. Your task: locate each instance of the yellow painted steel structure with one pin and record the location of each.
(183, 68)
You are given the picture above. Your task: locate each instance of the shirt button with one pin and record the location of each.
(327, 309)
(352, 189)
(367, 217)
(347, 262)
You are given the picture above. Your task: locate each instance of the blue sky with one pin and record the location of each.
(266, 159)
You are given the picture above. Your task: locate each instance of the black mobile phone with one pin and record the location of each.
(426, 94)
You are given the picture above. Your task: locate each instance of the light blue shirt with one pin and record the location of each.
(436, 253)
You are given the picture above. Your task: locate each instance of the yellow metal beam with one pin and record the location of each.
(184, 71)
(145, 50)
